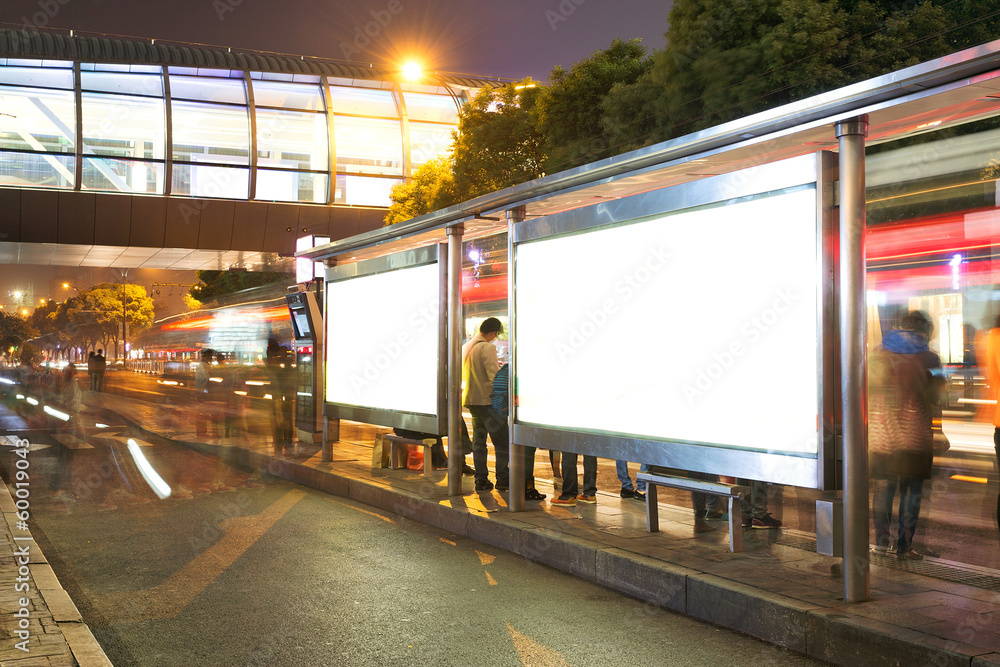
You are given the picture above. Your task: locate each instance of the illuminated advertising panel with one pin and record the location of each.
(384, 340)
(687, 335)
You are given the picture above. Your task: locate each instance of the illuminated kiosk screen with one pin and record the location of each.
(697, 326)
(382, 344)
(300, 320)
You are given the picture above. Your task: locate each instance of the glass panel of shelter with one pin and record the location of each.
(933, 235)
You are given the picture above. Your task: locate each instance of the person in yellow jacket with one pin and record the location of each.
(993, 377)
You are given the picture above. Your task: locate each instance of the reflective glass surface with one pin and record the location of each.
(428, 140)
(369, 146)
(122, 175)
(273, 185)
(116, 82)
(37, 76)
(362, 191)
(37, 119)
(210, 133)
(202, 180)
(440, 108)
(933, 216)
(292, 139)
(124, 126)
(205, 89)
(288, 95)
(363, 101)
(36, 170)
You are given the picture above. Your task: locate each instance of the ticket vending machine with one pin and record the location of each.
(307, 325)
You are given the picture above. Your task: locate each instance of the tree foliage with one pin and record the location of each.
(432, 187)
(570, 111)
(724, 59)
(14, 330)
(498, 143)
(213, 284)
(95, 315)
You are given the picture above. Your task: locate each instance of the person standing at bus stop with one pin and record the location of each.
(993, 377)
(479, 366)
(900, 390)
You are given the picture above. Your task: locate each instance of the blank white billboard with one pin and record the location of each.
(696, 326)
(382, 340)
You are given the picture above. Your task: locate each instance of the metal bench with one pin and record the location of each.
(398, 452)
(731, 491)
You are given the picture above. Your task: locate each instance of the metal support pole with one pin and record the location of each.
(327, 447)
(456, 455)
(517, 481)
(853, 356)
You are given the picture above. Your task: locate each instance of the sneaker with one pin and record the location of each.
(627, 493)
(879, 550)
(533, 494)
(484, 485)
(716, 515)
(638, 495)
(502, 486)
(766, 521)
(564, 502)
(747, 522)
(588, 499)
(701, 527)
(909, 555)
(468, 470)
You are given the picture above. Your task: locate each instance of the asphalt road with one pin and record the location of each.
(234, 569)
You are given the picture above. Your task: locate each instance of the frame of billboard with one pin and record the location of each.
(388, 366)
(697, 331)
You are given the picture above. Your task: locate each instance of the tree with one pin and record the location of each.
(100, 310)
(570, 108)
(14, 330)
(432, 187)
(498, 144)
(213, 284)
(725, 59)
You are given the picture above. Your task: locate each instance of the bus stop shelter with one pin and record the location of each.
(653, 295)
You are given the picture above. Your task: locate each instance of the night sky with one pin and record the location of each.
(500, 38)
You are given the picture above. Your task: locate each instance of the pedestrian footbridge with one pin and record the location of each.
(140, 153)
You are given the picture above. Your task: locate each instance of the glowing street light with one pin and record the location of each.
(412, 70)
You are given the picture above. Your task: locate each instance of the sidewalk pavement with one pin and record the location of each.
(779, 589)
(39, 624)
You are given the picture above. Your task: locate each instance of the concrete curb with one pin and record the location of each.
(51, 600)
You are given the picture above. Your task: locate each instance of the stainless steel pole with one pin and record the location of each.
(853, 357)
(456, 456)
(517, 482)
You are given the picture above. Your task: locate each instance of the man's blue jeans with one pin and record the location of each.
(910, 490)
(621, 467)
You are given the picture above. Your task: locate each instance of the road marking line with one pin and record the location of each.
(448, 542)
(489, 578)
(485, 559)
(167, 599)
(533, 654)
(358, 509)
(966, 478)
